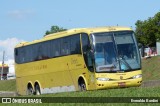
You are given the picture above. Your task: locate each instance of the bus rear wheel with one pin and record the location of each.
(37, 90)
(30, 91)
(82, 86)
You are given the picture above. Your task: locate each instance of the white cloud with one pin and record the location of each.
(8, 46)
(20, 14)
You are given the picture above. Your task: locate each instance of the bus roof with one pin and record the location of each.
(75, 31)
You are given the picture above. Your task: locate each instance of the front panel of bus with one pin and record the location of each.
(117, 60)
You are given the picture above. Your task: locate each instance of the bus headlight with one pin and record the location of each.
(137, 76)
(103, 79)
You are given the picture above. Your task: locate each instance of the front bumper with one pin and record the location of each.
(118, 83)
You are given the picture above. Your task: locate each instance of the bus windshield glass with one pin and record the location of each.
(116, 51)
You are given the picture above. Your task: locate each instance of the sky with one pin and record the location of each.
(27, 20)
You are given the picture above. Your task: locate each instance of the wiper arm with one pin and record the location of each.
(125, 63)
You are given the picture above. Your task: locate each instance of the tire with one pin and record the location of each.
(37, 90)
(30, 91)
(82, 86)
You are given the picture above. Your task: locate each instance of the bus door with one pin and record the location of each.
(88, 58)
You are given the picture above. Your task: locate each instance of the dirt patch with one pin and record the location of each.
(7, 94)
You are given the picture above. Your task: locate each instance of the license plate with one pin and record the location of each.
(121, 84)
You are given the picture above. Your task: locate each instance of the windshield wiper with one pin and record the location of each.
(123, 61)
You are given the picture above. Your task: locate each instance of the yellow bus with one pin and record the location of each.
(78, 60)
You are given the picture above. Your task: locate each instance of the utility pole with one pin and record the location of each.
(2, 65)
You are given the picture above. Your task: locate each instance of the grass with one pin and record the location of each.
(120, 92)
(84, 104)
(8, 85)
(151, 68)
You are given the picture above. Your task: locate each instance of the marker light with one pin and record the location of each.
(103, 79)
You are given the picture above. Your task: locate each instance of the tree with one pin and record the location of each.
(55, 29)
(148, 31)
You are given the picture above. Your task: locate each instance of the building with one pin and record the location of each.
(5, 71)
(158, 48)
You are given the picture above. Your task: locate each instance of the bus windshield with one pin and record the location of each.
(115, 52)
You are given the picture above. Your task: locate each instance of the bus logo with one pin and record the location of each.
(121, 77)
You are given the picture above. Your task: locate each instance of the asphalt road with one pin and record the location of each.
(151, 83)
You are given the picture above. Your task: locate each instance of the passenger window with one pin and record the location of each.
(65, 46)
(75, 44)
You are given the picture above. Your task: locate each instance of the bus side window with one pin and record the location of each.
(16, 52)
(65, 46)
(86, 52)
(16, 55)
(75, 44)
(56, 47)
